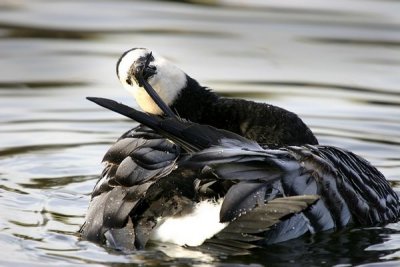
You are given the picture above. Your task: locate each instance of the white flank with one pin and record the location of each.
(191, 229)
(167, 82)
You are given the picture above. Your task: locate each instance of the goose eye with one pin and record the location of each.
(128, 81)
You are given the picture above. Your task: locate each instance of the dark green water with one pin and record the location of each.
(335, 63)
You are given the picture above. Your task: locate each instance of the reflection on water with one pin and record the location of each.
(336, 63)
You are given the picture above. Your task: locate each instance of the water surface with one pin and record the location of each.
(335, 63)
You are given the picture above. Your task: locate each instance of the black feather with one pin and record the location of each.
(264, 190)
(241, 198)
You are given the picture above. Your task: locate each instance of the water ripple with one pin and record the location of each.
(334, 64)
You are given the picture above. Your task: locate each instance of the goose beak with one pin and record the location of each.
(142, 69)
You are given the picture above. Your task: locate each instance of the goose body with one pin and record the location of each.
(257, 179)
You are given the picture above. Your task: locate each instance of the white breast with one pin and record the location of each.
(191, 229)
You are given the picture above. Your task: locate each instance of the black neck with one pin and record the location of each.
(266, 124)
(193, 101)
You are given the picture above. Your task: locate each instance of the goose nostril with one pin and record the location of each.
(149, 71)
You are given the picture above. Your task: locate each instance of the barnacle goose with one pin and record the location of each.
(232, 173)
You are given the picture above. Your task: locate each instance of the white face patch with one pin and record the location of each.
(168, 81)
